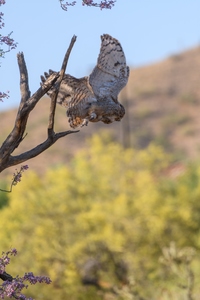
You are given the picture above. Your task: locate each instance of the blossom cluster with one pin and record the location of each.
(103, 4)
(12, 287)
(5, 40)
(1, 21)
(9, 42)
(32, 279)
(5, 259)
(16, 178)
(4, 95)
(66, 4)
(18, 175)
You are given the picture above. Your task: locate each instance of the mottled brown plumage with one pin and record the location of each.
(94, 98)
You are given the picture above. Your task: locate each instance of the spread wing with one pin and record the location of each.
(94, 98)
(72, 90)
(111, 72)
(75, 95)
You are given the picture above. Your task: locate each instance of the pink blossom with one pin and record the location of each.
(107, 4)
(12, 287)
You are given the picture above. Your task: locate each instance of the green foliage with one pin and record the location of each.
(3, 196)
(110, 208)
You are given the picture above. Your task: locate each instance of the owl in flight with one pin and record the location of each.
(94, 98)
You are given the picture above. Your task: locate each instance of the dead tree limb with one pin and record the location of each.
(27, 104)
(54, 96)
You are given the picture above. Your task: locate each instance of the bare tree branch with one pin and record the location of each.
(27, 104)
(14, 160)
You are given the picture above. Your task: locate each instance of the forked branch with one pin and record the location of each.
(27, 104)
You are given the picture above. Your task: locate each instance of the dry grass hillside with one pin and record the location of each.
(162, 105)
(165, 103)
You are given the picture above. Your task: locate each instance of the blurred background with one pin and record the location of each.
(111, 212)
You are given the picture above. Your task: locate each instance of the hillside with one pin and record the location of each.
(162, 104)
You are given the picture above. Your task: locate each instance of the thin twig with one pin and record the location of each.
(24, 85)
(54, 95)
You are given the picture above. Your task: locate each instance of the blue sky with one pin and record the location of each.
(149, 31)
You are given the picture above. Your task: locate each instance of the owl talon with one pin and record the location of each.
(42, 79)
(85, 123)
(46, 75)
(92, 116)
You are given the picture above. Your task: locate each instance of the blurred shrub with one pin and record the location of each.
(98, 226)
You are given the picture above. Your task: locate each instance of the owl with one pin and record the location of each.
(94, 98)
